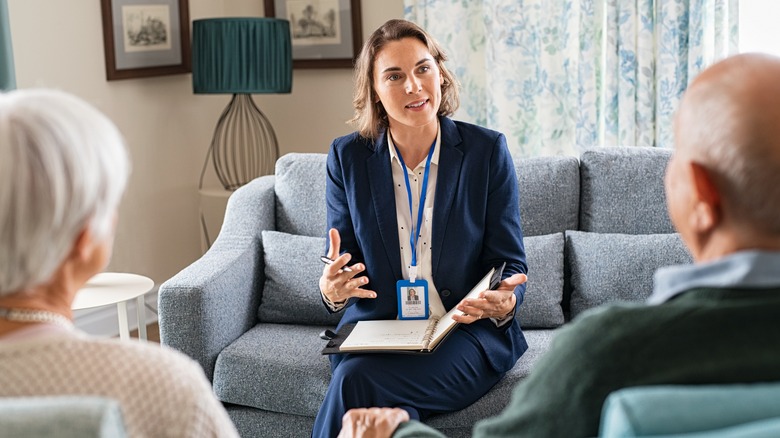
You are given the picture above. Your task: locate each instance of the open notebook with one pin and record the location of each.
(418, 335)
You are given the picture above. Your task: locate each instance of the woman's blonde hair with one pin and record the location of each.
(370, 116)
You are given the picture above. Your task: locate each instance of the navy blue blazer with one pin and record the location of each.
(476, 225)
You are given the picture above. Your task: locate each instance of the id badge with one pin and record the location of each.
(412, 299)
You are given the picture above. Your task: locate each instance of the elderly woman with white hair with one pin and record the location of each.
(63, 168)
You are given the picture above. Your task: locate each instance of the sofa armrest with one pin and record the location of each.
(718, 410)
(212, 302)
(61, 416)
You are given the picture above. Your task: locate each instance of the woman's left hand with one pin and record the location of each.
(496, 303)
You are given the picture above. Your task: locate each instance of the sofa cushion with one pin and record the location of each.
(549, 194)
(252, 422)
(623, 192)
(300, 194)
(541, 306)
(291, 293)
(499, 395)
(292, 376)
(617, 267)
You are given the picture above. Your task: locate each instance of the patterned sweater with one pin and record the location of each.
(704, 336)
(162, 393)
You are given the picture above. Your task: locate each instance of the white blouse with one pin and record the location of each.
(407, 221)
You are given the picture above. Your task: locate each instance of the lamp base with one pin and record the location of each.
(244, 145)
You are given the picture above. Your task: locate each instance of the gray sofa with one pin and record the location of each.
(249, 310)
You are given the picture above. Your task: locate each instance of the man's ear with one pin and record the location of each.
(707, 211)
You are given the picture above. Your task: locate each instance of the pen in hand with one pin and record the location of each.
(329, 261)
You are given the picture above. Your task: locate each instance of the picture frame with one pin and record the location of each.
(325, 33)
(144, 38)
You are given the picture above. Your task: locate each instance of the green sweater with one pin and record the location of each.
(703, 336)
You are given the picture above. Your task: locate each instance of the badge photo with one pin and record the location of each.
(412, 299)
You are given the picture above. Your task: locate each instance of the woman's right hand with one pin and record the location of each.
(339, 285)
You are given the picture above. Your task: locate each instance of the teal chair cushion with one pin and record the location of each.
(61, 417)
(693, 411)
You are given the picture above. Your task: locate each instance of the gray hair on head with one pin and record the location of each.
(63, 168)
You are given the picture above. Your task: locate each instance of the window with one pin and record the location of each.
(758, 23)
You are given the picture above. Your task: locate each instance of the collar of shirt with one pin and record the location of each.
(434, 158)
(744, 269)
(38, 331)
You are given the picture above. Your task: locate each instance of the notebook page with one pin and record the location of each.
(446, 323)
(387, 335)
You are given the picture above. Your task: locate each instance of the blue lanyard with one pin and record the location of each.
(414, 234)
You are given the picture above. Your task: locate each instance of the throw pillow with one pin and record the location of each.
(291, 293)
(617, 267)
(541, 306)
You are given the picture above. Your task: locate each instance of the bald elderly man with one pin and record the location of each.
(711, 322)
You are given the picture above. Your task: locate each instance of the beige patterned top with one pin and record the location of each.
(162, 393)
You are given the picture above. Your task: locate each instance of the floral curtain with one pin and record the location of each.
(558, 77)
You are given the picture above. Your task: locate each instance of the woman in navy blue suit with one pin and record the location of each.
(415, 199)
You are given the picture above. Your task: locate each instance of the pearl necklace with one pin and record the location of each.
(27, 315)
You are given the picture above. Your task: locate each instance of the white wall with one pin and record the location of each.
(59, 44)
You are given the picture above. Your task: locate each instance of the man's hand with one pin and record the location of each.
(372, 422)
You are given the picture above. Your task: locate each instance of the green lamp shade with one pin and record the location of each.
(241, 56)
(7, 77)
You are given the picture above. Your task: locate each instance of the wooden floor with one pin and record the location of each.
(152, 333)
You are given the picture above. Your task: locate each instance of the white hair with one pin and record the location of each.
(63, 168)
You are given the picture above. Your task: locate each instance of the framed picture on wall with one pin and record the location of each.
(325, 33)
(145, 38)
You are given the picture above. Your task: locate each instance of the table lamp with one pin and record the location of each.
(7, 76)
(241, 56)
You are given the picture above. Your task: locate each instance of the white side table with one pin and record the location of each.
(116, 288)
